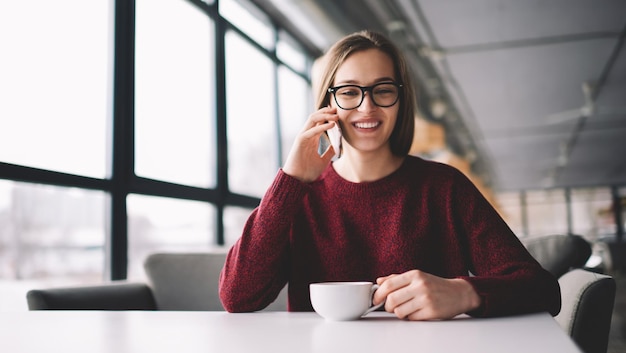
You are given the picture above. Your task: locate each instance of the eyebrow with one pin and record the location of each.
(354, 82)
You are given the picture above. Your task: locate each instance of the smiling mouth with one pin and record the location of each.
(367, 125)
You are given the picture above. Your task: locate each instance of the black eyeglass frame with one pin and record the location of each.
(369, 89)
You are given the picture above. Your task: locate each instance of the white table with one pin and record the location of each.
(206, 332)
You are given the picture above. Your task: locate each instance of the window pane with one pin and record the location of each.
(174, 121)
(55, 84)
(295, 106)
(249, 19)
(234, 220)
(51, 232)
(288, 51)
(49, 236)
(252, 140)
(547, 212)
(164, 224)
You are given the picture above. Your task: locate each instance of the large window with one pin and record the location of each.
(589, 212)
(131, 127)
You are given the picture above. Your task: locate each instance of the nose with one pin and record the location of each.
(368, 102)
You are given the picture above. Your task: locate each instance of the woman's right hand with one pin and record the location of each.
(303, 162)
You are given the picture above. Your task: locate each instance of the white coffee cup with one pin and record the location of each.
(341, 301)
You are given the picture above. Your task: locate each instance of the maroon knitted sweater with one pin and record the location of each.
(425, 216)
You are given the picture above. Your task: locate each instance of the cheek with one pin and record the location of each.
(393, 116)
(343, 115)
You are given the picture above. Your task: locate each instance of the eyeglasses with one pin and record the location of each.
(383, 94)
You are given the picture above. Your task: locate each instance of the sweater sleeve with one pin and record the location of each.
(507, 278)
(256, 267)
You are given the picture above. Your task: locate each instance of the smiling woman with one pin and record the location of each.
(420, 229)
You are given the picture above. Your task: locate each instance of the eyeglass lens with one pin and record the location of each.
(352, 96)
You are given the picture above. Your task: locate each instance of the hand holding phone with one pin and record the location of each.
(310, 155)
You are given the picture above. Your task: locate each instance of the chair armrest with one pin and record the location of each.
(113, 296)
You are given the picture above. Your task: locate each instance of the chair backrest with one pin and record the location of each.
(587, 306)
(189, 281)
(111, 296)
(559, 253)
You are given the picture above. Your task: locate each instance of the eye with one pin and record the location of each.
(385, 90)
(349, 92)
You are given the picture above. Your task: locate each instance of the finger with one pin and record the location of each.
(394, 281)
(316, 130)
(313, 132)
(419, 315)
(322, 116)
(329, 110)
(403, 301)
(385, 288)
(382, 279)
(326, 111)
(412, 310)
(422, 314)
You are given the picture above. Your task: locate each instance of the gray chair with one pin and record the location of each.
(587, 307)
(185, 281)
(176, 281)
(559, 253)
(113, 296)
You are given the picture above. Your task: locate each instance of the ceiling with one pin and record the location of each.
(511, 74)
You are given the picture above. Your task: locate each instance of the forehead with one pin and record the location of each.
(365, 67)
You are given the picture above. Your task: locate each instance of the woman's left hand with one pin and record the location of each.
(417, 295)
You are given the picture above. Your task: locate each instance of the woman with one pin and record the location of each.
(420, 229)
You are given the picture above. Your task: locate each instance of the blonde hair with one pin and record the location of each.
(402, 134)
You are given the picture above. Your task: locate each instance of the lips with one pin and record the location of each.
(367, 125)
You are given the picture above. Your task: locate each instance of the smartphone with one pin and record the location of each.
(331, 137)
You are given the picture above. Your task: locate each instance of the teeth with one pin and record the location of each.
(366, 125)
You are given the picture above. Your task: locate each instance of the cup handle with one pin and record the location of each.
(374, 307)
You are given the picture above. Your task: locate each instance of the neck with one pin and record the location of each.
(359, 167)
